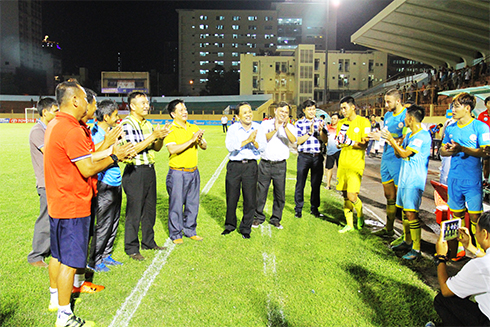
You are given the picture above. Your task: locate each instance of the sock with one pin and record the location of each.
(53, 300)
(64, 312)
(415, 233)
(406, 229)
(78, 280)
(473, 231)
(360, 216)
(349, 216)
(390, 215)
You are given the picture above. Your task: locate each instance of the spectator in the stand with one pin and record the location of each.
(467, 76)
(464, 299)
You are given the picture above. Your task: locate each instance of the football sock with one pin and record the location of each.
(360, 216)
(406, 229)
(78, 280)
(390, 214)
(64, 312)
(415, 233)
(53, 295)
(349, 216)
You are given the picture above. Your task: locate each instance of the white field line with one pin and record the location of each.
(266, 230)
(133, 301)
(215, 176)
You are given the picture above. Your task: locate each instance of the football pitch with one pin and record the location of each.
(306, 274)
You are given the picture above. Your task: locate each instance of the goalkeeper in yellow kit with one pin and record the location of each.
(352, 138)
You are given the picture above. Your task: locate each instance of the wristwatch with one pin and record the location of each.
(440, 259)
(115, 158)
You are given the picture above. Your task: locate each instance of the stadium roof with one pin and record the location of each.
(435, 32)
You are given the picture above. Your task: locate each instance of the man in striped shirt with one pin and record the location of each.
(139, 179)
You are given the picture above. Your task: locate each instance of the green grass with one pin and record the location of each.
(313, 276)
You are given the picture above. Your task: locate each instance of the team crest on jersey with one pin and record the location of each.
(473, 137)
(356, 130)
(400, 125)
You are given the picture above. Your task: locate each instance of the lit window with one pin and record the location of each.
(235, 63)
(235, 27)
(221, 54)
(203, 17)
(203, 27)
(236, 17)
(203, 80)
(235, 54)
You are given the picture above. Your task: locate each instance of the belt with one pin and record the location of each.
(189, 170)
(244, 161)
(310, 154)
(272, 161)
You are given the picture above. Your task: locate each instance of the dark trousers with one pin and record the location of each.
(307, 162)
(455, 311)
(108, 212)
(183, 202)
(225, 127)
(275, 171)
(41, 242)
(139, 183)
(244, 176)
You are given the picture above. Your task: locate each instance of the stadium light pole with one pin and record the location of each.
(335, 3)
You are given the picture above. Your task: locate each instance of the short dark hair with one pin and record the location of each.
(241, 104)
(172, 104)
(465, 99)
(350, 100)
(45, 103)
(283, 104)
(309, 103)
(417, 112)
(105, 107)
(335, 114)
(394, 93)
(487, 99)
(63, 89)
(133, 95)
(90, 95)
(484, 221)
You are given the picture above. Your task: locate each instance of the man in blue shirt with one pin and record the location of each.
(464, 142)
(414, 152)
(310, 135)
(245, 143)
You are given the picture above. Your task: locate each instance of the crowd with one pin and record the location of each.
(80, 183)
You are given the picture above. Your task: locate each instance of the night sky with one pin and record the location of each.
(91, 33)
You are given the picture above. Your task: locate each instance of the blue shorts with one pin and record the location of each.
(390, 169)
(461, 191)
(69, 241)
(409, 198)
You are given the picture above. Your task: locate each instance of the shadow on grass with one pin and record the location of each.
(7, 312)
(162, 210)
(393, 303)
(215, 207)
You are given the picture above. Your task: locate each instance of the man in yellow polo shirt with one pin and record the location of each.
(183, 180)
(352, 138)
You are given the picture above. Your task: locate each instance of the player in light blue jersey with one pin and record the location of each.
(465, 142)
(394, 123)
(414, 152)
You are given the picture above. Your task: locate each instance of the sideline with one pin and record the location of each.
(128, 308)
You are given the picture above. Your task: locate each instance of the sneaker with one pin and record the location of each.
(88, 287)
(137, 256)
(196, 238)
(178, 241)
(412, 255)
(74, 321)
(403, 246)
(53, 307)
(384, 233)
(256, 223)
(346, 229)
(298, 214)
(101, 267)
(277, 225)
(398, 241)
(111, 262)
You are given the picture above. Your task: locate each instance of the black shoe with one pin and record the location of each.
(246, 236)
(298, 214)
(256, 223)
(137, 257)
(317, 214)
(226, 232)
(156, 248)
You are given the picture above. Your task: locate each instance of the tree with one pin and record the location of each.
(222, 82)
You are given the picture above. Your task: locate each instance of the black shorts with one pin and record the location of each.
(332, 159)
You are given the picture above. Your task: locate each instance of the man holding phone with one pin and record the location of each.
(464, 299)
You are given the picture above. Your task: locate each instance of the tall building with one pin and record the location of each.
(301, 75)
(218, 37)
(22, 56)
